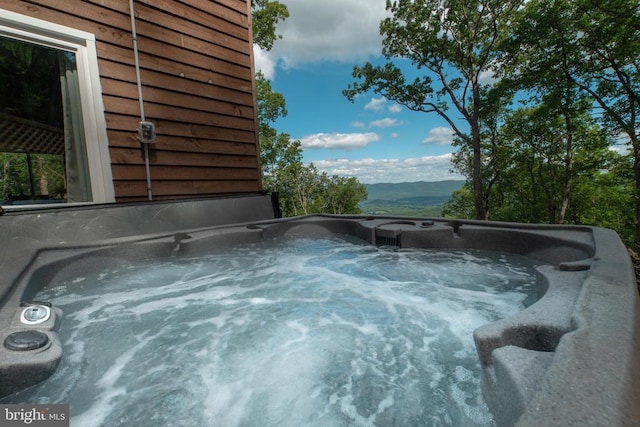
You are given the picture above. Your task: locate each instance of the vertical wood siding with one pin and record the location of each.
(197, 75)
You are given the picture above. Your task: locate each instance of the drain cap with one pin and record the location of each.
(26, 340)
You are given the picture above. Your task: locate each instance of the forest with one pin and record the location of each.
(543, 97)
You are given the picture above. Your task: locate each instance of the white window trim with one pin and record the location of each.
(83, 44)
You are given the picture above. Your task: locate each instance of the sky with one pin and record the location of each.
(372, 139)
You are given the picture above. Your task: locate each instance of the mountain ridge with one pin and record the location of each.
(418, 198)
(415, 190)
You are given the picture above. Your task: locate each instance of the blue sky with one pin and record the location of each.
(373, 139)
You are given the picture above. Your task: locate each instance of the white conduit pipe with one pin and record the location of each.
(139, 81)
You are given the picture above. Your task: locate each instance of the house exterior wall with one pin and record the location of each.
(197, 73)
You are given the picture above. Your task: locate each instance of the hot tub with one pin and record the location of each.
(570, 358)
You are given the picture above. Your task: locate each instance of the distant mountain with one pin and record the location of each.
(409, 198)
(412, 192)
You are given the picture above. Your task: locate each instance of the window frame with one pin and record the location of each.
(83, 44)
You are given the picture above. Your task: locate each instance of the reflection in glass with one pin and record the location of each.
(42, 147)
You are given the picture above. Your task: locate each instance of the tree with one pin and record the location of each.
(534, 167)
(280, 157)
(30, 90)
(30, 82)
(600, 42)
(547, 157)
(317, 192)
(277, 152)
(344, 195)
(265, 15)
(460, 205)
(302, 189)
(606, 198)
(455, 42)
(609, 35)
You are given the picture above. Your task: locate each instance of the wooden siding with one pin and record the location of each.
(197, 75)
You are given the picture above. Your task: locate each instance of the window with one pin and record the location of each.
(53, 141)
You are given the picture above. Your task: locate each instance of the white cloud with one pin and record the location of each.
(329, 30)
(264, 62)
(343, 141)
(385, 123)
(487, 77)
(395, 135)
(357, 124)
(621, 144)
(369, 171)
(376, 104)
(395, 109)
(439, 136)
(622, 149)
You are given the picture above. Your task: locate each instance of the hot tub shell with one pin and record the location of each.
(569, 359)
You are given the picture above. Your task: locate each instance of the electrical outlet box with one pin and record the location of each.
(147, 132)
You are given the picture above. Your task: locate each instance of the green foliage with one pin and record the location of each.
(47, 177)
(30, 89)
(280, 157)
(265, 16)
(271, 105)
(532, 185)
(545, 159)
(15, 177)
(606, 200)
(545, 152)
(343, 195)
(452, 44)
(30, 81)
(460, 205)
(317, 192)
(588, 49)
(302, 189)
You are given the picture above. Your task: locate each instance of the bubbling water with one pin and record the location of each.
(314, 332)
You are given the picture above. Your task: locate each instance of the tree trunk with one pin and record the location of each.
(478, 197)
(565, 199)
(636, 170)
(635, 147)
(43, 181)
(568, 170)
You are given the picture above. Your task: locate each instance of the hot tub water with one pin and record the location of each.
(326, 331)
